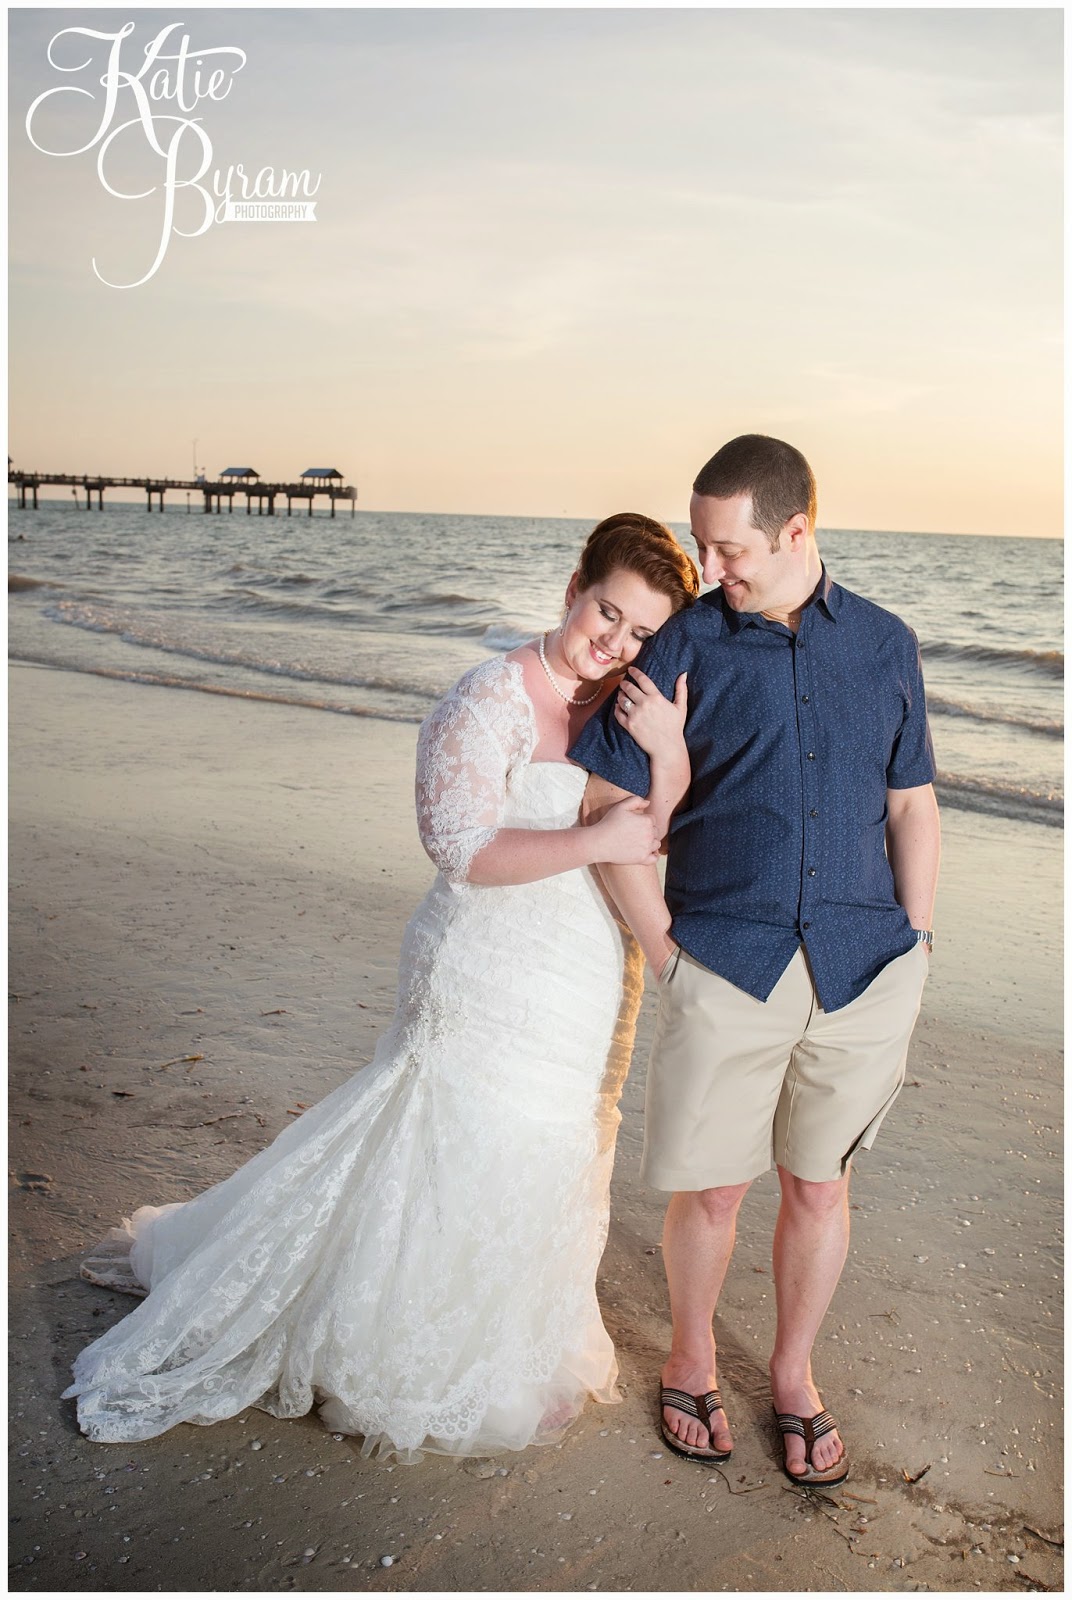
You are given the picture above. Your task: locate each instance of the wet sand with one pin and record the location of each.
(207, 902)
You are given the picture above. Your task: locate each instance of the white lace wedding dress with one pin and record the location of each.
(417, 1254)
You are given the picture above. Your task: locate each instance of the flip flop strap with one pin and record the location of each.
(809, 1428)
(699, 1406)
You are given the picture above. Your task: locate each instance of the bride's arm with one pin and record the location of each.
(465, 753)
(518, 855)
(523, 855)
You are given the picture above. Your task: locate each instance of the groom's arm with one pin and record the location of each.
(636, 891)
(618, 767)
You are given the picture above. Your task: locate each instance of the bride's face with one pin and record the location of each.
(608, 623)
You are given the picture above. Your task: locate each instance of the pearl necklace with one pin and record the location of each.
(569, 699)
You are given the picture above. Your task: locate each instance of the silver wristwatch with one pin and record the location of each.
(924, 936)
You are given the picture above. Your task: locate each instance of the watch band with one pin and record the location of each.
(925, 936)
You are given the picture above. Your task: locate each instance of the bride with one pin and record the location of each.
(417, 1254)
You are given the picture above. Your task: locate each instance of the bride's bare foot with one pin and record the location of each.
(695, 1378)
(558, 1415)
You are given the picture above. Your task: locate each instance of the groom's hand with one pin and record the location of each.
(662, 958)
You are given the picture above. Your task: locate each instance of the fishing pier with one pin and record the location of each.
(231, 482)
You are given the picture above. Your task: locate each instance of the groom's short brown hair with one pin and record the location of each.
(774, 473)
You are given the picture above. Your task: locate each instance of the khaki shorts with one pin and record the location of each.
(734, 1082)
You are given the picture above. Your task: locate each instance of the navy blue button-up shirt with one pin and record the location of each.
(794, 741)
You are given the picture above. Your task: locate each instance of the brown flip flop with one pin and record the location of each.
(699, 1406)
(809, 1429)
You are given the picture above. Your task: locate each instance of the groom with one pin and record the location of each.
(793, 942)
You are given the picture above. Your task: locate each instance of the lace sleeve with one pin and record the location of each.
(465, 752)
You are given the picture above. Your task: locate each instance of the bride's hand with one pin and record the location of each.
(626, 835)
(656, 723)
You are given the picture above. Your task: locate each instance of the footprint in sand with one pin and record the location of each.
(36, 1182)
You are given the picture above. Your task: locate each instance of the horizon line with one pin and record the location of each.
(530, 516)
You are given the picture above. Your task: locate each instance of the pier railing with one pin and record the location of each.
(213, 493)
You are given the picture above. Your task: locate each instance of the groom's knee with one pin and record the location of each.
(815, 1199)
(721, 1204)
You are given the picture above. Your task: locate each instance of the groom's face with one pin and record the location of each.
(737, 555)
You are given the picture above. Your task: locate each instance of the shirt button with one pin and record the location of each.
(811, 872)
(811, 755)
(805, 699)
(800, 643)
(805, 924)
(813, 813)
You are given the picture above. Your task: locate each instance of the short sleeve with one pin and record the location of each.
(911, 762)
(605, 747)
(465, 752)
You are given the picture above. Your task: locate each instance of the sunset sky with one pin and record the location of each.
(559, 257)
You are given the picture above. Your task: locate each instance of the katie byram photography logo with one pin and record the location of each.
(150, 111)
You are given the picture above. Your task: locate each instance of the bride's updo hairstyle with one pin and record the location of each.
(630, 542)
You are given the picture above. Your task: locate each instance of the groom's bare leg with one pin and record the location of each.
(811, 1241)
(698, 1240)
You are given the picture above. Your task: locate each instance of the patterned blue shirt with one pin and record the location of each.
(794, 741)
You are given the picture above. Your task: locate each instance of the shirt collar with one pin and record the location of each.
(827, 597)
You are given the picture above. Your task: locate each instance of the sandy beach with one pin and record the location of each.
(208, 896)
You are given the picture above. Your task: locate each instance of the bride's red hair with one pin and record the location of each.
(632, 542)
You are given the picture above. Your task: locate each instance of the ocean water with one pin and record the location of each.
(376, 615)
